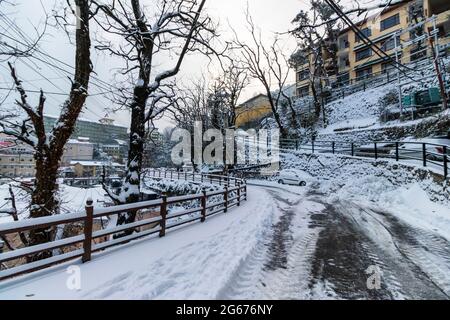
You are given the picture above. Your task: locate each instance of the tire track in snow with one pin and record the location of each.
(278, 267)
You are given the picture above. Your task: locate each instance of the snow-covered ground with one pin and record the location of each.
(73, 200)
(320, 241)
(193, 262)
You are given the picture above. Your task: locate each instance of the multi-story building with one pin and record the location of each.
(388, 29)
(16, 159)
(77, 149)
(102, 131)
(253, 111)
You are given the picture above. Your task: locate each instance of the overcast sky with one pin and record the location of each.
(271, 16)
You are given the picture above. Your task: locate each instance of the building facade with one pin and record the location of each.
(252, 111)
(77, 149)
(95, 168)
(388, 29)
(16, 159)
(98, 132)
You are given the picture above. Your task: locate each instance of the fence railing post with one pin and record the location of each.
(445, 162)
(165, 174)
(171, 174)
(353, 149)
(178, 175)
(245, 190)
(88, 222)
(397, 156)
(239, 194)
(185, 175)
(203, 204)
(376, 150)
(225, 199)
(163, 213)
(424, 154)
(312, 146)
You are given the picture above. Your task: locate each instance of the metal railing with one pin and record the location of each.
(416, 152)
(162, 218)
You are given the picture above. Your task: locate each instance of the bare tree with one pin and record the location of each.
(175, 28)
(266, 64)
(14, 47)
(48, 148)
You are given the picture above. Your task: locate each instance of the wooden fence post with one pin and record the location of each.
(163, 213)
(203, 204)
(225, 199)
(88, 222)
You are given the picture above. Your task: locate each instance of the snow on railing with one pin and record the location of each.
(94, 238)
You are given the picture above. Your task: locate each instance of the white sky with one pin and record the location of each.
(270, 16)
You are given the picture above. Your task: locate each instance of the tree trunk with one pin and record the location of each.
(44, 202)
(131, 188)
(49, 150)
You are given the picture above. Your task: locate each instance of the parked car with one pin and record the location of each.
(293, 177)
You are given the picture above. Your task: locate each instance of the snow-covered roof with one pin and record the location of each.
(93, 163)
(79, 141)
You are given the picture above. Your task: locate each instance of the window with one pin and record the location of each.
(389, 44)
(344, 78)
(366, 31)
(387, 66)
(303, 75)
(362, 54)
(364, 73)
(390, 22)
(303, 91)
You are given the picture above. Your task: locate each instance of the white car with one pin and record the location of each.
(293, 177)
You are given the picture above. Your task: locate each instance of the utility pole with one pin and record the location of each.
(398, 75)
(435, 50)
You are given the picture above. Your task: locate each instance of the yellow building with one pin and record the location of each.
(252, 111)
(95, 168)
(357, 61)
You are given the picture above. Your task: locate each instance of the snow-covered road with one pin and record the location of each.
(320, 249)
(286, 243)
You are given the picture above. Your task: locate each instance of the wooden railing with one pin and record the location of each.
(165, 218)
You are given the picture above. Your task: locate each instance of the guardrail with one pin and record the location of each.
(164, 217)
(425, 153)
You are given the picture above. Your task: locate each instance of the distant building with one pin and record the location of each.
(95, 168)
(77, 149)
(102, 131)
(251, 112)
(16, 159)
